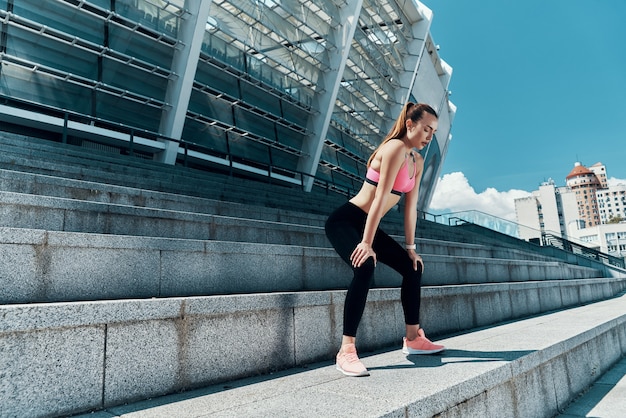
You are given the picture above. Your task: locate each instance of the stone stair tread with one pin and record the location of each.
(147, 191)
(489, 361)
(77, 163)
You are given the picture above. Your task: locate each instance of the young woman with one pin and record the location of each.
(393, 169)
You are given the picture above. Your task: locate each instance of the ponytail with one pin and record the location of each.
(411, 111)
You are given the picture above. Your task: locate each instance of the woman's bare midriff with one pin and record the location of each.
(365, 197)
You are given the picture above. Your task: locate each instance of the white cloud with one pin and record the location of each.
(454, 194)
(615, 182)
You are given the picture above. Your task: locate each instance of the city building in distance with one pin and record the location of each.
(586, 210)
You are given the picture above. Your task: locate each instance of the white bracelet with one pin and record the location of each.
(409, 246)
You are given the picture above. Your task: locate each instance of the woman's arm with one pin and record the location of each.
(391, 158)
(410, 212)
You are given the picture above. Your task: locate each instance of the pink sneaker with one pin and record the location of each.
(420, 345)
(348, 362)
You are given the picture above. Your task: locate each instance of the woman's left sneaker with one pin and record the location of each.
(420, 345)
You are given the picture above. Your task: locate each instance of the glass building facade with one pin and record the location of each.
(297, 90)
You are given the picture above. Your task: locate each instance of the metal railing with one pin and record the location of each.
(504, 226)
(569, 246)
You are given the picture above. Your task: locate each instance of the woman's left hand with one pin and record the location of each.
(416, 258)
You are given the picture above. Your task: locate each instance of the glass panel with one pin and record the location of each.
(62, 17)
(289, 137)
(129, 10)
(222, 51)
(49, 52)
(133, 79)
(218, 79)
(140, 47)
(244, 148)
(284, 160)
(24, 84)
(334, 135)
(127, 112)
(329, 155)
(295, 114)
(255, 124)
(160, 16)
(103, 4)
(347, 163)
(204, 134)
(355, 147)
(257, 97)
(211, 107)
(342, 180)
(324, 173)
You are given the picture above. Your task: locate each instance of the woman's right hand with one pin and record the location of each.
(361, 253)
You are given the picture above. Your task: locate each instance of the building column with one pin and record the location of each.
(330, 82)
(411, 63)
(184, 65)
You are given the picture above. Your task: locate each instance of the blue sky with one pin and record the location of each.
(539, 85)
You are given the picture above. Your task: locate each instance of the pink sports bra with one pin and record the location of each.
(404, 182)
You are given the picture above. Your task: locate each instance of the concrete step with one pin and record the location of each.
(54, 186)
(529, 368)
(76, 357)
(37, 156)
(105, 209)
(166, 215)
(605, 398)
(71, 215)
(48, 266)
(47, 157)
(211, 185)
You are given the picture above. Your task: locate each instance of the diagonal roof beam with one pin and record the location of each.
(330, 82)
(184, 64)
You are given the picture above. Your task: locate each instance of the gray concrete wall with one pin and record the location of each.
(70, 357)
(49, 266)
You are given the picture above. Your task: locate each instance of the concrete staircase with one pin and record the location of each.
(123, 279)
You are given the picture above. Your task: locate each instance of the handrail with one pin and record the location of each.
(504, 226)
(556, 241)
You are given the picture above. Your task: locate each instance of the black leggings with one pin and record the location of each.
(344, 229)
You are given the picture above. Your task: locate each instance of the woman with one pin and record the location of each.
(394, 168)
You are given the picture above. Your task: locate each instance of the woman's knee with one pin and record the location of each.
(413, 276)
(365, 272)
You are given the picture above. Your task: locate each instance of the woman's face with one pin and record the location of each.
(420, 133)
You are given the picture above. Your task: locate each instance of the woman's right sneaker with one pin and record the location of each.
(420, 345)
(348, 362)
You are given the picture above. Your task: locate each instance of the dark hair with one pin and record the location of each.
(413, 111)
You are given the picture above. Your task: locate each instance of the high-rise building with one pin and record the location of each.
(600, 171)
(612, 203)
(587, 210)
(583, 183)
(547, 210)
(297, 90)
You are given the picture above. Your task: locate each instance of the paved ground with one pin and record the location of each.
(426, 381)
(605, 399)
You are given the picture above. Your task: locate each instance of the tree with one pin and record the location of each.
(615, 219)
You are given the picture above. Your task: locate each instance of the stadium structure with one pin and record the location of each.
(297, 91)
